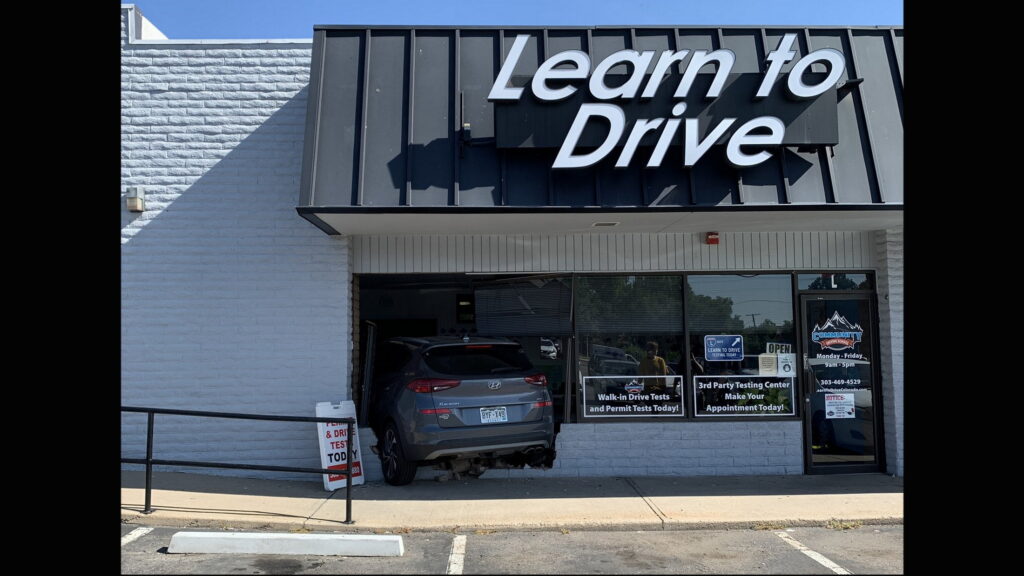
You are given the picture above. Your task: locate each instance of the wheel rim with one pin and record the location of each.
(390, 454)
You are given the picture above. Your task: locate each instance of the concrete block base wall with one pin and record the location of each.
(370, 461)
(653, 449)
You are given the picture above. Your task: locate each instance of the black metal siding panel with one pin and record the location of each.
(570, 187)
(620, 186)
(746, 44)
(337, 154)
(478, 58)
(607, 42)
(531, 58)
(479, 181)
(527, 177)
(386, 120)
(309, 144)
(701, 178)
(804, 175)
(696, 39)
(852, 160)
(526, 171)
(657, 40)
(898, 41)
(806, 178)
(562, 40)
(774, 36)
(714, 180)
(665, 186)
(654, 188)
(762, 184)
(879, 93)
(432, 133)
(573, 187)
(669, 186)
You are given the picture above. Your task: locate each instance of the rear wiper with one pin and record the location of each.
(504, 369)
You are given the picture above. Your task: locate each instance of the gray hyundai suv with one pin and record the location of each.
(465, 405)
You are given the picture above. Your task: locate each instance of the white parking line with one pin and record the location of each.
(135, 535)
(813, 555)
(457, 556)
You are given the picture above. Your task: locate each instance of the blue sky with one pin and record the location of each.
(180, 19)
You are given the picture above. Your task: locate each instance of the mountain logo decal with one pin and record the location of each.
(837, 333)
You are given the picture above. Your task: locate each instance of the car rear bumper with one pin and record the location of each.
(496, 450)
(473, 441)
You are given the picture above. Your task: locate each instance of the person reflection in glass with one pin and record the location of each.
(653, 365)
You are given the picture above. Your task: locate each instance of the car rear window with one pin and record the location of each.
(482, 360)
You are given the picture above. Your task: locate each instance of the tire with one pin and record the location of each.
(397, 470)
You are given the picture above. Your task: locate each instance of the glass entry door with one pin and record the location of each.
(840, 384)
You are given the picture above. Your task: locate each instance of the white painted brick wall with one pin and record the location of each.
(230, 300)
(889, 248)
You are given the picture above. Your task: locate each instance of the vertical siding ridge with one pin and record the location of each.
(826, 151)
(410, 94)
(316, 92)
(503, 159)
(782, 149)
(362, 118)
(896, 55)
(458, 120)
(866, 114)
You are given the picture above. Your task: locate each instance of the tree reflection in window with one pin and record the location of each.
(758, 307)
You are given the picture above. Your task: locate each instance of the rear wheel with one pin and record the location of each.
(397, 470)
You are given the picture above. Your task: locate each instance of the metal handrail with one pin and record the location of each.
(149, 461)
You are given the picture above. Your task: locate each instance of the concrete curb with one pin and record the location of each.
(365, 528)
(285, 543)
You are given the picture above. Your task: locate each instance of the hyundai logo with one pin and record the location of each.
(494, 384)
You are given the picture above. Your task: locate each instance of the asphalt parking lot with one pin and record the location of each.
(852, 548)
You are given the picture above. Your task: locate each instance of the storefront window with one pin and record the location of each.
(742, 353)
(834, 281)
(630, 346)
(534, 312)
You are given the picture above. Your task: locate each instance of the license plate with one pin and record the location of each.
(492, 415)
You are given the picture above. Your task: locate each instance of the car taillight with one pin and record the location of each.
(541, 404)
(537, 380)
(431, 384)
(435, 411)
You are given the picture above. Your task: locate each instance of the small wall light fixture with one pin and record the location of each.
(711, 238)
(136, 199)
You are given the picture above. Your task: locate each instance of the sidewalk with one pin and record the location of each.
(643, 503)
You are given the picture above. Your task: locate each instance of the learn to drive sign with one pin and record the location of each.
(723, 348)
(618, 103)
